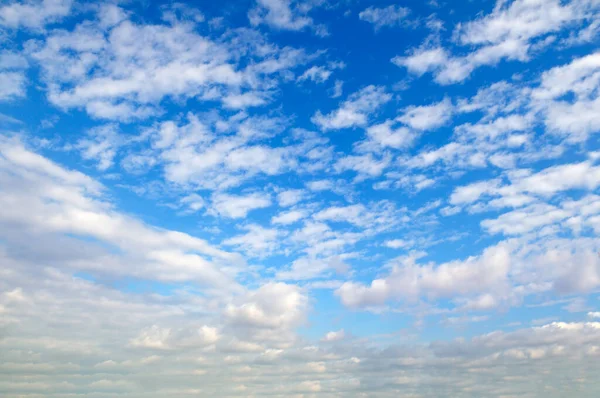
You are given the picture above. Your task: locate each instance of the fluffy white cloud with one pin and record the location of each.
(410, 281)
(511, 31)
(423, 60)
(114, 77)
(12, 85)
(427, 117)
(34, 14)
(238, 206)
(544, 183)
(384, 135)
(257, 242)
(54, 203)
(575, 120)
(288, 217)
(102, 145)
(355, 111)
(334, 336)
(290, 197)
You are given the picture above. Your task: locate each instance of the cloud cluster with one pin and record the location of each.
(252, 201)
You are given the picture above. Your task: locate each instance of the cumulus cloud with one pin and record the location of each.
(334, 336)
(410, 281)
(34, 14)
(427, 117)
(203, 241)
(74, 206)
(355, 111)
(238, 206)
(510, 32)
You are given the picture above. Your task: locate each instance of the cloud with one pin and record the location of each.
(577, 119)
(269, 313)
(395, 243)
(334, 336)
(365, 165)
(317, 74)
(290, 197)
(102, 145)
(238, 206)
(544, 183)
(384, 135)
(243, 101)
(512, 31)
(409, 281)
(13, 81)
(427, 117)
(280, 14)
(257, 242)
(34, 14)
(56, 204)
(384, 17)
(354, 111)
(178, 231)
(113, 77)
(288, 217)
(423, 60)
(12, 85)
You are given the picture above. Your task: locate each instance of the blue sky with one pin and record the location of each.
(319, 198)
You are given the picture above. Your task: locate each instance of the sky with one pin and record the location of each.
(280, 198)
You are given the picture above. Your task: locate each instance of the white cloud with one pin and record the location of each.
(387, 16)
(320, 185)
(518, 20)
(243, 101)
(575, 120)
(511, 31)
(423, 60)
(409, 281)
(580, 77)
(102, 145)
(384, 135)
(317, 74)
(365, 165)
(280, 14)
(57, 203)
(220, 156)
(334, 336)
(275, 306)
(472, 192)
(427, 117)
(355, 111)
(338, 89)
(34, 14)
(193, 202)
(290, 197)
(238, 206)
(113, 77)
(396, 243)
(288, 217)
(544, 183)
(257, 242)
(594, 315)
(12, 85)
